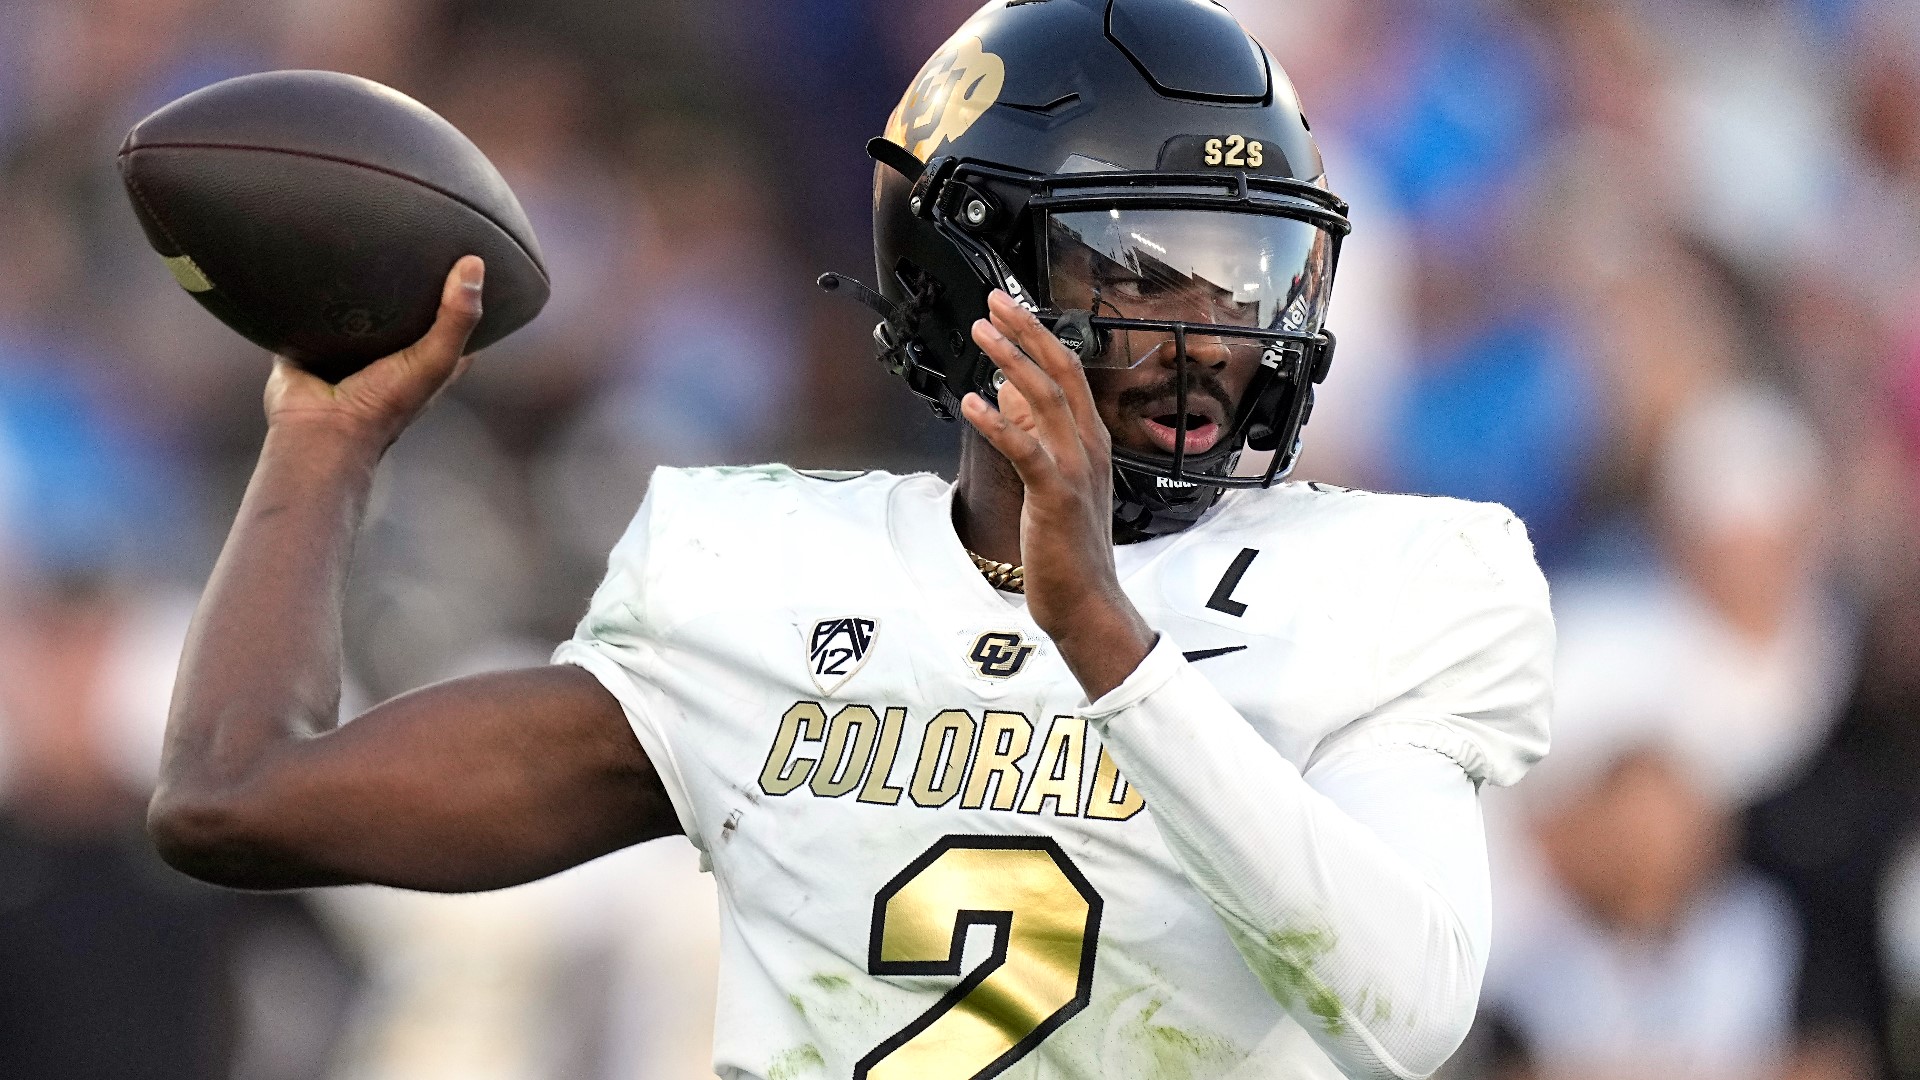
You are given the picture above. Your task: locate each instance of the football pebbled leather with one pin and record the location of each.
(317, 214)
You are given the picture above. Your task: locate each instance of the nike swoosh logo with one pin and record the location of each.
(1208, 654)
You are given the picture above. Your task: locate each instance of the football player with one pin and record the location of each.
(1116, 758)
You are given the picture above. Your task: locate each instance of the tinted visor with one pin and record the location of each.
(1197, 267)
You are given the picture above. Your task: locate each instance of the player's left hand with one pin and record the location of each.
(1048, 427)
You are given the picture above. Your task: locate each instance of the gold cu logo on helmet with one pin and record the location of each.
(957, 86)
(998, 654)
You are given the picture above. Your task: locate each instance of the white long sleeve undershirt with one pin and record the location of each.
(1357, 892)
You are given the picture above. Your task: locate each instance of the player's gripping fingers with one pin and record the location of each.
(1050, 355)
(1010, 324)
(376, 403)
(1013, 405)
(1030, 459)
(1019, 368)
(381, 399)
(1052, 419)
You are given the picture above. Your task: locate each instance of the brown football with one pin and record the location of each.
(318, 214)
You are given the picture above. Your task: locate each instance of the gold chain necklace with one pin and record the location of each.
(1004, 576)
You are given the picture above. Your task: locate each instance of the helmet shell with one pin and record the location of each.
(1028, 85)
(1052, 87)
(1032, 90)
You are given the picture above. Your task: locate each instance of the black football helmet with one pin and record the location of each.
(1139, 174)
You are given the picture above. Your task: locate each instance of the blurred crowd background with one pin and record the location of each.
(1644, 271)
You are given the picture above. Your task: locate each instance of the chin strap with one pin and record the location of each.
(881, 306)
(896, 337)
(896, 333)
(893, 334)
(1146, 505)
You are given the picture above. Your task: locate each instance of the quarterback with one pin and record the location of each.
(1116, 758)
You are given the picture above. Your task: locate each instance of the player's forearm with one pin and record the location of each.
(1102, 647)
(1346, 933)
(261, 670)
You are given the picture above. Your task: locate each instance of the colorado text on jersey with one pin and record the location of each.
(973, 756)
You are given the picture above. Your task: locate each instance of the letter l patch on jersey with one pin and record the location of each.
(837, 650)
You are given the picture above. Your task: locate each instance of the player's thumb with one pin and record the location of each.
(393, 390)
(460, 311)
(428, 364)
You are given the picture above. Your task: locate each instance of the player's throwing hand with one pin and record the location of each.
(377, 403)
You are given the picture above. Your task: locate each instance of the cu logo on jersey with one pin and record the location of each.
(999, 654)
(837, 650)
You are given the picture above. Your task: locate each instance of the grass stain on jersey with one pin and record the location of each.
(1377, 1008)
(801, 1059)
(837, 1004)
(1284, 960)
(1180, 1053)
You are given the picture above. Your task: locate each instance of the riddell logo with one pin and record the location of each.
(1181, 485)
(1020, 295)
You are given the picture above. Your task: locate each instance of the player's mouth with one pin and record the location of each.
(1202, 424)
(1152, 417)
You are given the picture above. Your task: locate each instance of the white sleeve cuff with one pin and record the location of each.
(1159, 668)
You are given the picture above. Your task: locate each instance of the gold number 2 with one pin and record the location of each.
(1046, 918)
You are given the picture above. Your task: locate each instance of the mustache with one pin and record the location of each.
(1199, 381)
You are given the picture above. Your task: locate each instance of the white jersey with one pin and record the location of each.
(930, 867)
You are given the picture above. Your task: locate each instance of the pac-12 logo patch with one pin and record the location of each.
(837, 649)
(999, 654)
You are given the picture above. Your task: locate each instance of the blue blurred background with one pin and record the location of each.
(1644, 270)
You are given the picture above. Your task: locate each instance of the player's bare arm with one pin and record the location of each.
(473, 784)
